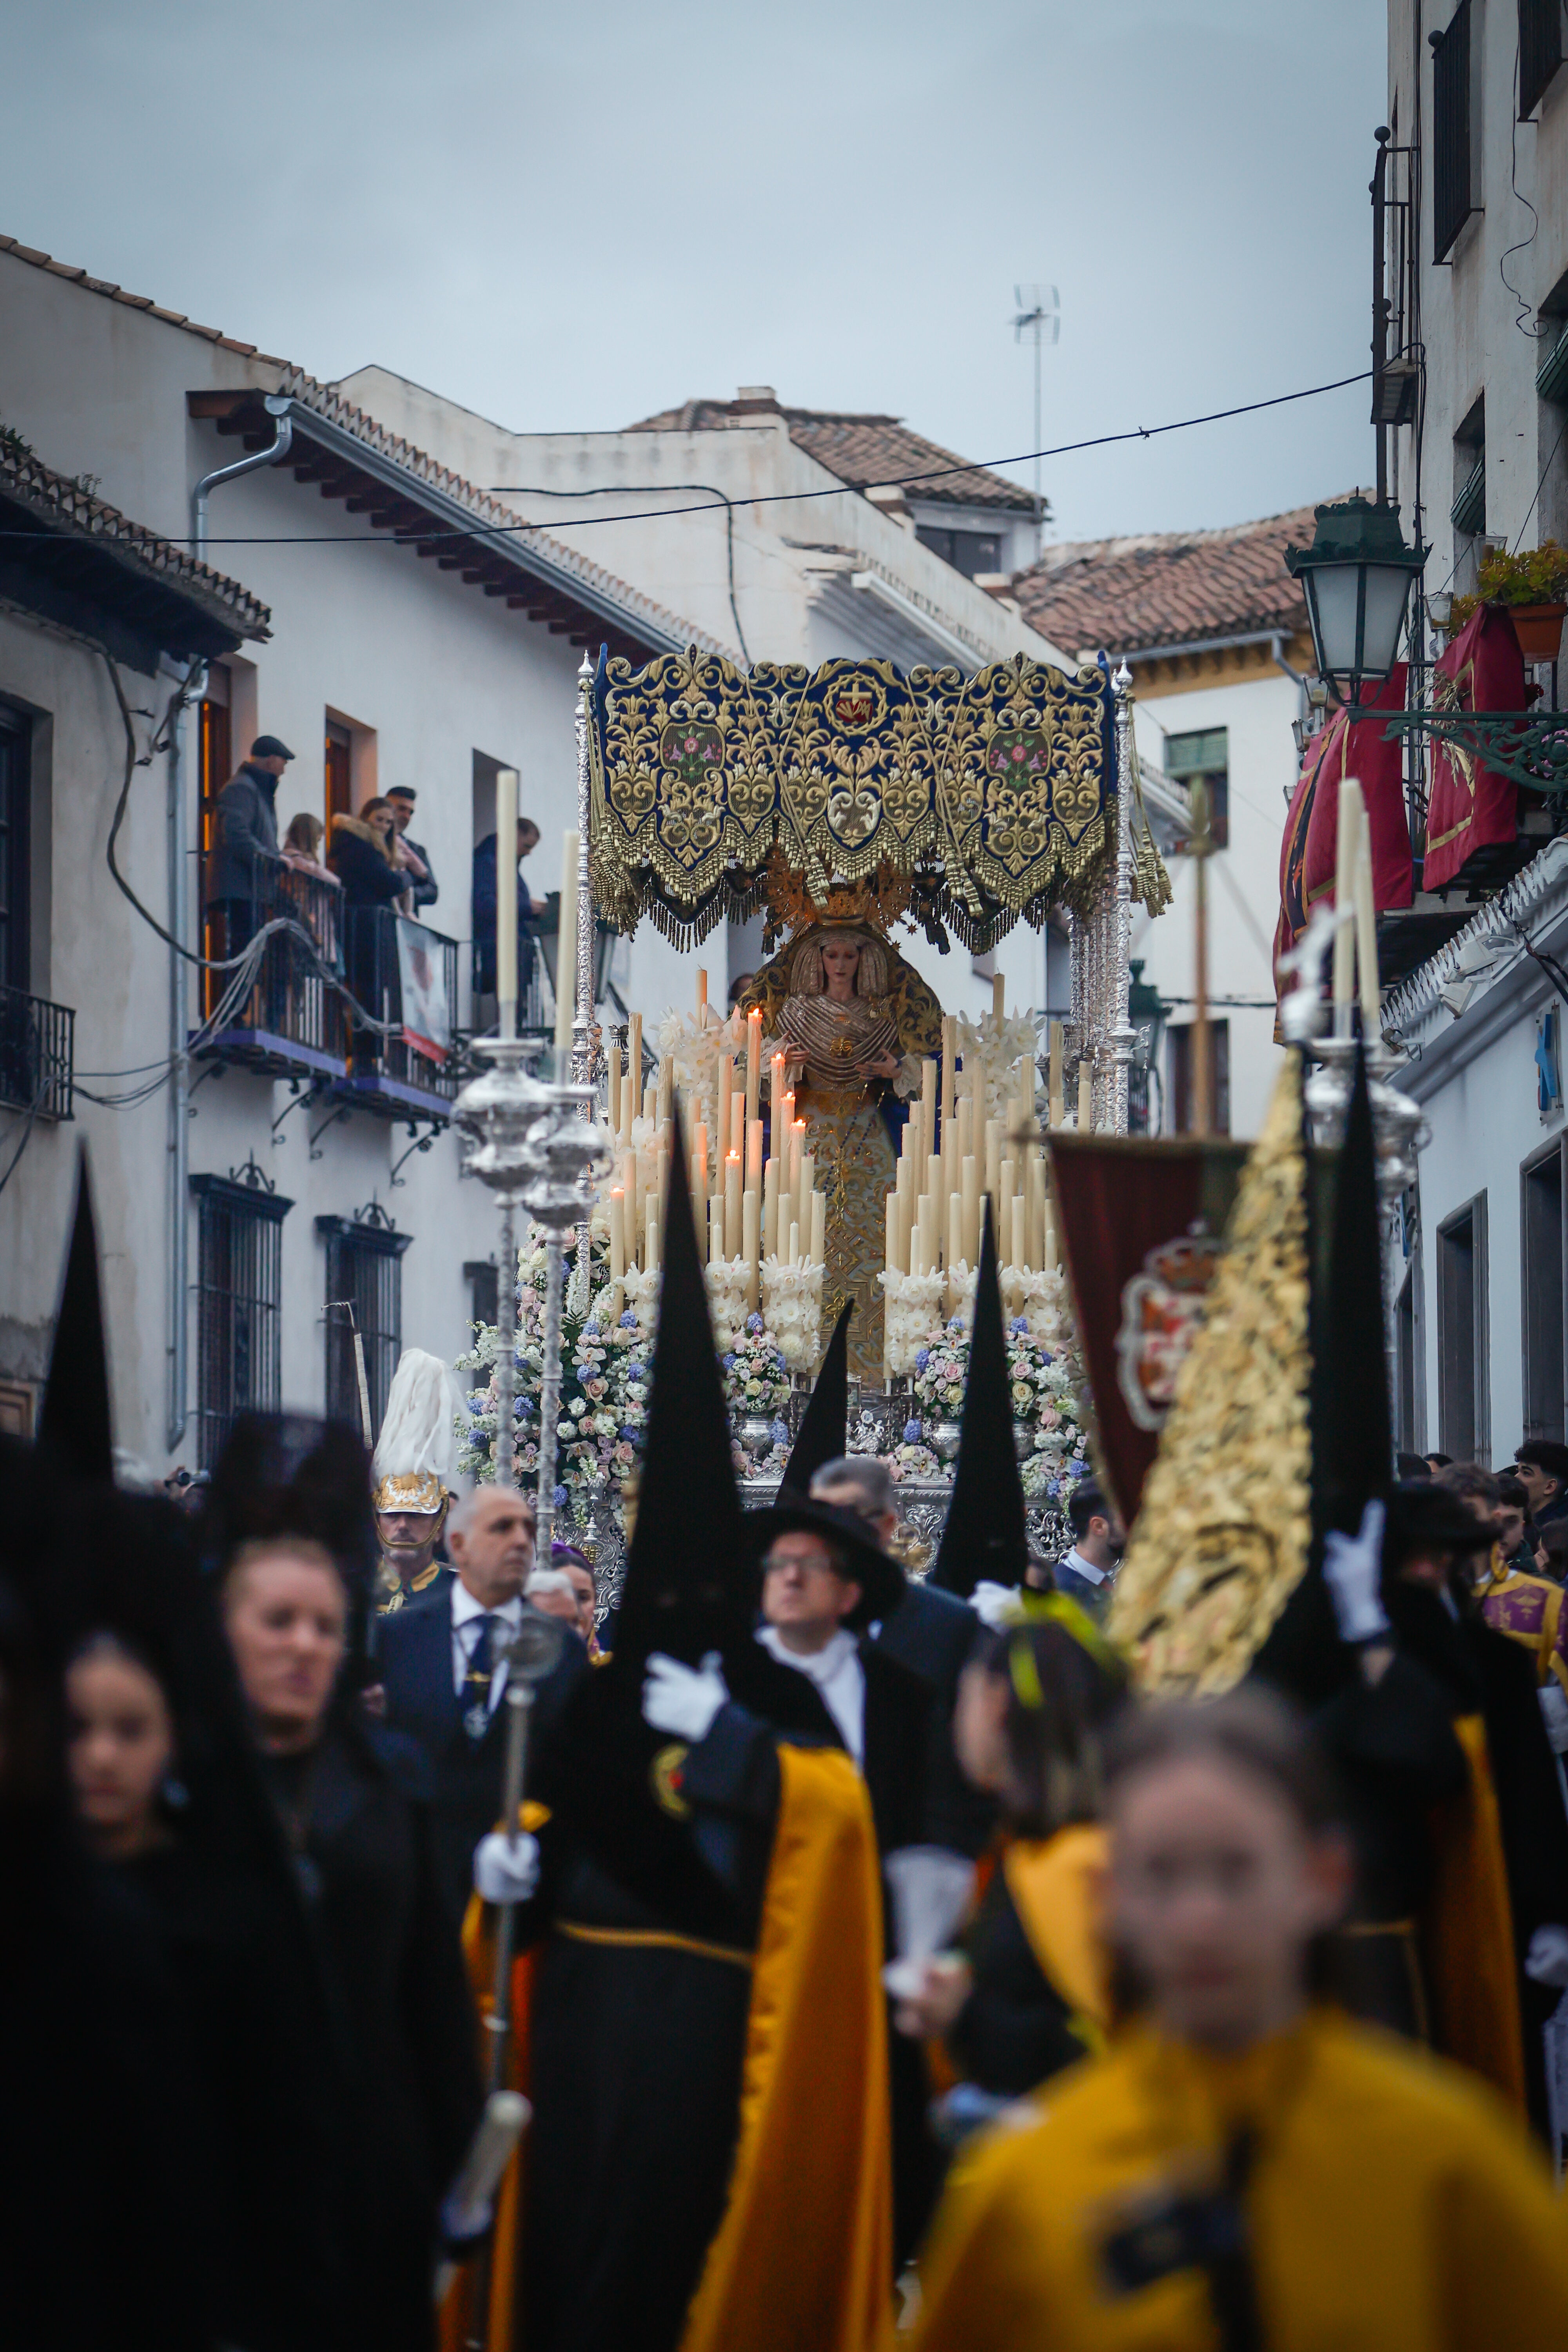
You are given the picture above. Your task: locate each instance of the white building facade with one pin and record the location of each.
(390, 630)
(1474, 401)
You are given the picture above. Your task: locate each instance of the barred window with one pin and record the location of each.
(239, 1302)
(1453, 200)
(1204, 754)
(364, 1295)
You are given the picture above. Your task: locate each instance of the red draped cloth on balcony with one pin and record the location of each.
(1483, 670)
(1308, 856)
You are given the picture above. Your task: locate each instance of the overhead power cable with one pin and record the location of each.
(460, 532)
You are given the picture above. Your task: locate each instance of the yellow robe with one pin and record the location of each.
(1394, 2206)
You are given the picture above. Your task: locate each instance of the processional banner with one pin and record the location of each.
(981, 801)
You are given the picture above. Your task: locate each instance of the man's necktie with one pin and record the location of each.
(477, 1682)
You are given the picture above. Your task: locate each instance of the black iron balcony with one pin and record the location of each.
(405, 976)
(36, 1049)
(288, 1021)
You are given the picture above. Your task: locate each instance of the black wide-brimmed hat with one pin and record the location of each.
(881, 1579)
(1425, 1518)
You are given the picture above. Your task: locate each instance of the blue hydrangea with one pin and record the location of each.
(1019, 1325)
(560, 1496)
(628, 1432)
(590, 1330)
(779, 1432)
(1078, 1465)
(1045, 1355)
(779, 1366)
(955, 1322)
(728, 1361)
(1053, 1487)
(922, 1358)
(753, 1322)
(629, 1321)
(911, 1432)
(637, 1372)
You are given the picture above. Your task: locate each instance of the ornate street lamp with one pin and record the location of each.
(1357, 577)
(1146, 1011)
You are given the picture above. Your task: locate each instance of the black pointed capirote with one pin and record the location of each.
(687, 1587)
(75, 1424)
(986, 1536)
(824, 1432)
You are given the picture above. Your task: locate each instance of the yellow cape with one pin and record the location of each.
(1057, 1885)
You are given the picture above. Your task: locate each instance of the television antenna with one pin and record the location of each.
(1039, 315)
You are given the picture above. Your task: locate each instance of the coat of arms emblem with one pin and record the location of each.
(1161, 1308)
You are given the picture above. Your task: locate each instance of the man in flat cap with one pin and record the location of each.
(246, 862)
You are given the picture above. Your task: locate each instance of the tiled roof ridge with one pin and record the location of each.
(947, 466)
(25, 476)
(327, 402)
(1208, 585)
(30, 253)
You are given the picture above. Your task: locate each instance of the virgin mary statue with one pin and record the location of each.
(853, 1021)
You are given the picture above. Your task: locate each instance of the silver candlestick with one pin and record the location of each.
(496, 1115)
(568, 1154)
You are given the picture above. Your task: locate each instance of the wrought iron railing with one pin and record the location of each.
(36, 1055)
(292, 1015)
(403, 975)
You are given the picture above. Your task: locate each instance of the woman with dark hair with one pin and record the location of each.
(1245, 2167)
(345, 1796)
(1028, 1993)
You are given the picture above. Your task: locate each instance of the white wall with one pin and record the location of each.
(1243, 880)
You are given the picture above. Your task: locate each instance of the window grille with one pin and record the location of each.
(239, 1302)
(365, 1273)
(1540, 51)
(1452, 203)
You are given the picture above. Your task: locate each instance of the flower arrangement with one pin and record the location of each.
(604, 1373)
(791, 1307)
(695, 1047)
(914, 1304)
(1045, 1377)
(757, 1375)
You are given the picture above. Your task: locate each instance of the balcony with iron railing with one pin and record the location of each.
(284, 1018)
(404, 977)
(36, 1055)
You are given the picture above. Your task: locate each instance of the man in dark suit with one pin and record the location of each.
(444, 1673)
(928, 1629)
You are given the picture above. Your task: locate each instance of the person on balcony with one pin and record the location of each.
(361, 856)
(302, 848)
(484, 910)
(412, 854)
(247, 863)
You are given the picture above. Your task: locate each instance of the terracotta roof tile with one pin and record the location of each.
(132, 301)
(58, 502)
(1169, 588)
(859, 448)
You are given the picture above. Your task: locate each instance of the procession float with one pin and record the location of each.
(842, 1133)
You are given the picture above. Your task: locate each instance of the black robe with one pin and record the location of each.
(401, 2020)
(1014, 2030)
(637, 2044)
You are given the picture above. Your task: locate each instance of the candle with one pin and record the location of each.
(1085, 1097)
(1050, 1237)
(634, 1061)
(755, 1154)
(927, 1109)
(732, 1205)
(650, 1103)
(1008, 1186)
(666, 1088)
(992, 1156)
(506, 901)
(699, 1156)
(955, 1229)
(1059, 1110)
(617, 1233)
(969, 1173)
(769, 1208)
(565, 952)
(775, 1091)
(736, 1139)
(1347, 835)
(998, 998)
(613, 1066)
(926, 1226)
(750, 1244)
(1019, 1255)
(819, 1227)
(793, 1257)
(1036, 1205)
(650, 1259)
(701, 994)
(797, 1146)
(716, 1229)
(949, 1061)
(891, 1254)
(754, 1062)
(966, 1127)
(1366, 943)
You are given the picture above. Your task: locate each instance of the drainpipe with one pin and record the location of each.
(277, 409)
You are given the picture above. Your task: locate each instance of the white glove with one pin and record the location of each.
(1353, 1571)
(994, 1604)
(683, 1700)
(1555, 1714)
(506, 1870)
(1546, 1962)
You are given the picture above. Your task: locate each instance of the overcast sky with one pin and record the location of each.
(571, 217)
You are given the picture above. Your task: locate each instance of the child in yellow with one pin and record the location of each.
(1247, 2170)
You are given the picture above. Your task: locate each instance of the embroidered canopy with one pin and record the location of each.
(982, 801)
